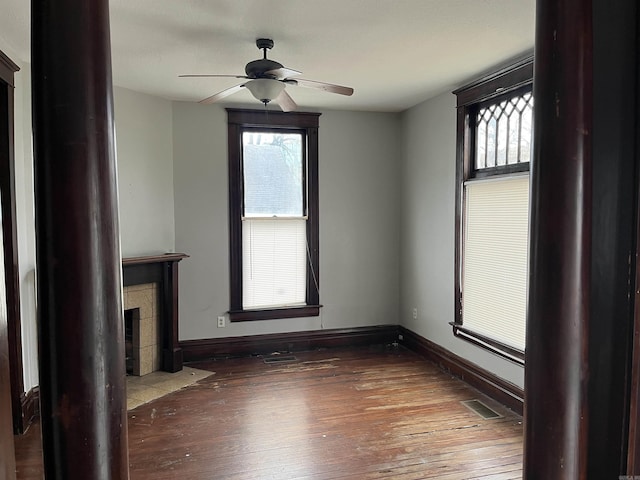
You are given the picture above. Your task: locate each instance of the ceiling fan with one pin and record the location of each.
(267, 80)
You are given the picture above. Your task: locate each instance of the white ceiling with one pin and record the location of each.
(394, 53)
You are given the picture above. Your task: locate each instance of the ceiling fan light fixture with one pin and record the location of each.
(265, 89)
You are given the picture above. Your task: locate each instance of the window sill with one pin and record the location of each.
(509, 353)
(274, 313)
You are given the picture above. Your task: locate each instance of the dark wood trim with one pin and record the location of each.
(273, 313)
(7, 69)
(161, 269)
(11, 268)
(10, 233)
(504, 79)
(504, 170)
(11, 384)
(165, 257)
(633, 447)
(613, 209)
(272, 119)
(313, 222)
(195, 350)
(305, 122)
(7, 370)
(504, 351)
(234, 146)
(30, 402)
(488, 383)
(171, 352)
(462, 172)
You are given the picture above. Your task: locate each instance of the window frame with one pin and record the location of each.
(508, 81)
(238, 121)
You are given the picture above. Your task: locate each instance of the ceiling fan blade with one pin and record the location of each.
(282, 73)
(286, 102)
(220, 95)
(212, 76)
(327, 87)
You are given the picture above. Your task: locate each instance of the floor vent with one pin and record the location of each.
(281, 359)
(481, 409)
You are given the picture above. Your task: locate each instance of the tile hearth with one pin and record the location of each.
(141, 390)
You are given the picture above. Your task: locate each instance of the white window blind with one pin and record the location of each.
(495, 263)
(274, 252)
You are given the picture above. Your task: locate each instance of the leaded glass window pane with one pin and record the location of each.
(504, 132)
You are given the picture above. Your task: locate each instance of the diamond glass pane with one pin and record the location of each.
(504, 132)
(273, 174)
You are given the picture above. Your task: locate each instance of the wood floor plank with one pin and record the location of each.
(354, 413)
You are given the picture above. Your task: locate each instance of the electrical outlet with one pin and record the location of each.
(221, 322)
(400, 337)
(415, 313)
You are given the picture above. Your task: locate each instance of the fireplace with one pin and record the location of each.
(150, 298)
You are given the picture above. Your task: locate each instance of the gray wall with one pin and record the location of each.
(428, 221)
(145, 172)
(359, 223)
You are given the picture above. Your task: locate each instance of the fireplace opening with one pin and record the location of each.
(131, 326)
(130, 317)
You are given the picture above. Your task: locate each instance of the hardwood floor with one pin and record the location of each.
(357, 413)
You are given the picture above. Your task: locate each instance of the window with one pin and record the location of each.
(495, 120)
(273, 214)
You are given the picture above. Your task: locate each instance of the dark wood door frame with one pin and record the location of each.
(7, 455)
(633, 456)
(9, 230)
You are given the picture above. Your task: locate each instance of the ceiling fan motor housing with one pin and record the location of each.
(257, 68)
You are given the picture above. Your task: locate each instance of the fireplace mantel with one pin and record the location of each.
(161, 269)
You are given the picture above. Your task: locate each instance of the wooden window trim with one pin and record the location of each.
(10, 232)
(503, 82)
(239, 119)
(496, 83)
(499, 348)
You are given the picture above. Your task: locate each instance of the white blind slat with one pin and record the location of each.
(274, 262)
(495, 263)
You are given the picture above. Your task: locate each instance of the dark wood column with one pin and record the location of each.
(556, 371)
(583, 240)
(81, 348)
